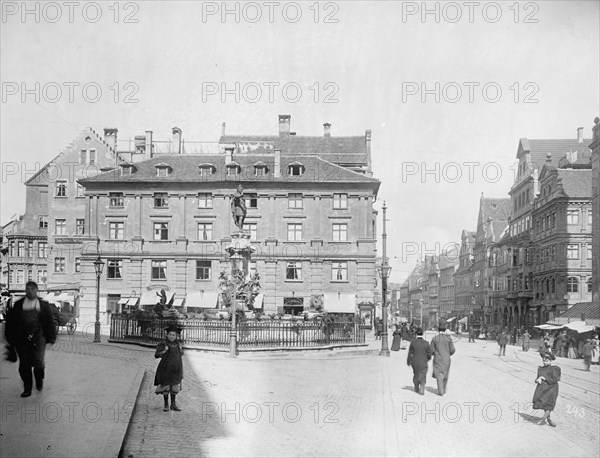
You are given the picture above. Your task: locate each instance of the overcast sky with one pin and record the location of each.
(523, 70)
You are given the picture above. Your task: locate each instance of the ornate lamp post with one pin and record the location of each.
(384, 272)
(98, 266)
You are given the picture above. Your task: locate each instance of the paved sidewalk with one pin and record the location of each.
(83, 410)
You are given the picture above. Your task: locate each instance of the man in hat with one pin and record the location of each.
(419, 353)
(442, 349)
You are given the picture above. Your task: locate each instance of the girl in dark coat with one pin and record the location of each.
(546, 391)
(170, 369)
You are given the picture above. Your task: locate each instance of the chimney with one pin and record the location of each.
(223, 130)
(284, 124)
(327, 129)
(110, 137)
(369, 171)
(176, 142)
(277, 164)
(149, 152)
(580, 135)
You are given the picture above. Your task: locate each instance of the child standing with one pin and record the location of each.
(546, 391)
(170, 369)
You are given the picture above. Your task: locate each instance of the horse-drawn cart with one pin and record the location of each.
(65, 316)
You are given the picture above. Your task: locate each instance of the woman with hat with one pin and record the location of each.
(546, 392)
(170, 369)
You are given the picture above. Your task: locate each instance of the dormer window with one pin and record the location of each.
(162, 170)
(295, 169)
(233, 169)
(126, 169)
(260, 169)
(206, 169)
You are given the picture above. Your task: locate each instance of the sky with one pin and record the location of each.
(447, 88)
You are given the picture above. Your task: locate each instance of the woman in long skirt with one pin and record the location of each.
(546, 392)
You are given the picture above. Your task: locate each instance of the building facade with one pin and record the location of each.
(463, 277)
(595, 146)
(164, 223)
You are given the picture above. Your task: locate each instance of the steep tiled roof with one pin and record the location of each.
(185, 168)
(498, 228)
(558, 148)
(339, 150)
(576, 183)
(498, 209)
(590, 309)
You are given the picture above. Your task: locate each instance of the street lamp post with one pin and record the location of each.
(98, 266)
(384, 272)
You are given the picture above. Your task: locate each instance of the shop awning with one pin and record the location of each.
(178, 301)
(65, 297)
(123, 301)
(170, 295)
(463, 320)
(202, 299)
(149, 298)
(258, 301)
(548, 327)
(50, 297)
(450, 319)
(579, 326)
(340, 302)
(132, 302)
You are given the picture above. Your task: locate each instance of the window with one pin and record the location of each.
(252, 200)
(589, 251)
(260, 170)
(589, 216)
(59, 265)
(42, 250)
(30, 249)
(295, 169)
(60, 226)
(159, 270)
(20, 249)
(553, 286)
(41, 276)
(12, 248)
(572, 285)
(77, 264)
(233, 170)
(161, 231)
(92, 156)
(205, 200)
(79, 226)
(251, 228)
(61, 189)
(572, 251)
(206, 170)
(116, 230)
(340, 232)
(553, 219)
(589, 285)
(126, 169)
(294, 232)
(293, 271)
(115, 199)
(553, 251)
(294, 200)
(20, 276)
(162, 172)
(43, 220)
(80, 191)
(340, 201)
(205, 231)
(572, 216)
(203, 270)
(161, 200)
(339, 271)
(548, 221)
(114, 269)
(83, 156)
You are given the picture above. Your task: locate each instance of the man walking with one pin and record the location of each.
(442, 349)
(419, 353)
(29, 326)
(502, 341)
(471, 334)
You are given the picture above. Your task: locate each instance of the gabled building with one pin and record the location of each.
(448, 263)
(164, 223)
(491, 222)
(595, 146)
(463, 277)
(562, 235)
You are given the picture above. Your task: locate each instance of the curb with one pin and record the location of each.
(114, 445)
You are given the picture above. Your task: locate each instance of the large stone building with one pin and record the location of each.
(164, 223)
(463, 277)
(562, 236)
(595, 146)
(447, 265)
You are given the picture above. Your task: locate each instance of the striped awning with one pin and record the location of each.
(132, 302)
(123, 301)
(202, 299)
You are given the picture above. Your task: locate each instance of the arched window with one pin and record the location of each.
(295, 169)
(206, 169)
(572, 285)
(589, 283)
(553, 288)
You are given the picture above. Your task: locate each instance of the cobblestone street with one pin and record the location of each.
(365, 406)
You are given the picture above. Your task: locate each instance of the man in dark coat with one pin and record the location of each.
(561, 345)
(442, 349)
(419, 353)
(502, 341)
(404, 336)
(30, 325)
